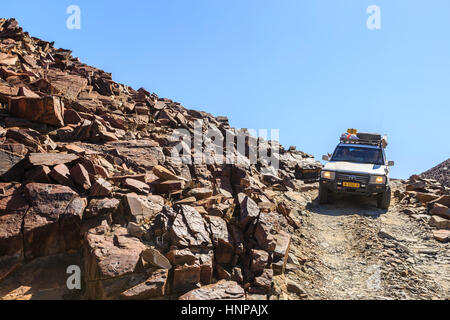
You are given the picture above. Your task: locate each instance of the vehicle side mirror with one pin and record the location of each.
(325, 158)
(391, 163)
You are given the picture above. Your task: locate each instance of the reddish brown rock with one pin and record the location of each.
(72, 148)
(135, 208)
(8, 160)
(238, 238)
(439, 222)
(13, 208)
(188, 229)
(248, 208)
(283, 242)
(6, 92)
(186, 278)
(136, 186)
(27, 137)
(444, 200)
(52, 223)
(50, 159)
(101, 188)
(156, 259)
(416, 185)
(8, 59)
(153, 287)
(425, 197)
(169, 186)
(221, 273)
(222, 240)
(440, 210)
(264, 281)
(222, 290)
(65, 133)
(101, 207)
(48, 110)
(71, 117)
(15, 148)
(101, 171)
(25, 92)
(66, 84)
(38, 174)
(236, 275)
(205, 259)
(164, 173)
(81, 177)
(82, 132)
(442, 235)
(200, 193)
(224, 186)
(61, 174)
(112, 260)
(266, 228)
(181, 257)
(259, 260)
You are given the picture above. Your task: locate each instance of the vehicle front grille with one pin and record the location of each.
(362, 178)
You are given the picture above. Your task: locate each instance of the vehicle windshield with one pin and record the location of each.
(358, 154)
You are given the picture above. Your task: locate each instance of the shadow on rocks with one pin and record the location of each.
(343, 205)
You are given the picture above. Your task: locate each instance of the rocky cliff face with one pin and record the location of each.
(441, 173)
(88, 178)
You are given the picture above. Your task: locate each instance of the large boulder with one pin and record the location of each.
(222, 240)
(112, 262)
(136, 208)
(13, 207)
(153, 287)
(188, 229)
(249, 210)
(267, 227)
(48, 110)
(52, 223)
(185, 278)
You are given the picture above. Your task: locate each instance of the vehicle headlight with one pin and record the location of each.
(329, 175)
(378, 179)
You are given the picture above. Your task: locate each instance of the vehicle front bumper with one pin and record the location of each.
(337, 187)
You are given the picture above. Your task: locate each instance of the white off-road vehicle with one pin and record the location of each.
(357, 166)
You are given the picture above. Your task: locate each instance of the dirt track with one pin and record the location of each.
(352, 250)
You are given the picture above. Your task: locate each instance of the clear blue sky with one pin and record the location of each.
(309, 68)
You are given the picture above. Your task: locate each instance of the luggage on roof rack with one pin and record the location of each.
(374, 139)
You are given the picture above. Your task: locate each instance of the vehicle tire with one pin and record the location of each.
(384, 199)
(323, 195)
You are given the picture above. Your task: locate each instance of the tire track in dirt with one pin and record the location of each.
(353, 250)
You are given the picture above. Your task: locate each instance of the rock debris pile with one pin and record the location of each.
(428, 199)
(86, 168)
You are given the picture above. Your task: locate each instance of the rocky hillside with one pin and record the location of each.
(88, 179)
(440, 173)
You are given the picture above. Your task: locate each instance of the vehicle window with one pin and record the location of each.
(358, 154)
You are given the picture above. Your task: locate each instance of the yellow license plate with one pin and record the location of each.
(351, 184)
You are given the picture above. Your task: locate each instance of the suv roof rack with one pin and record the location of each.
(374, 139)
